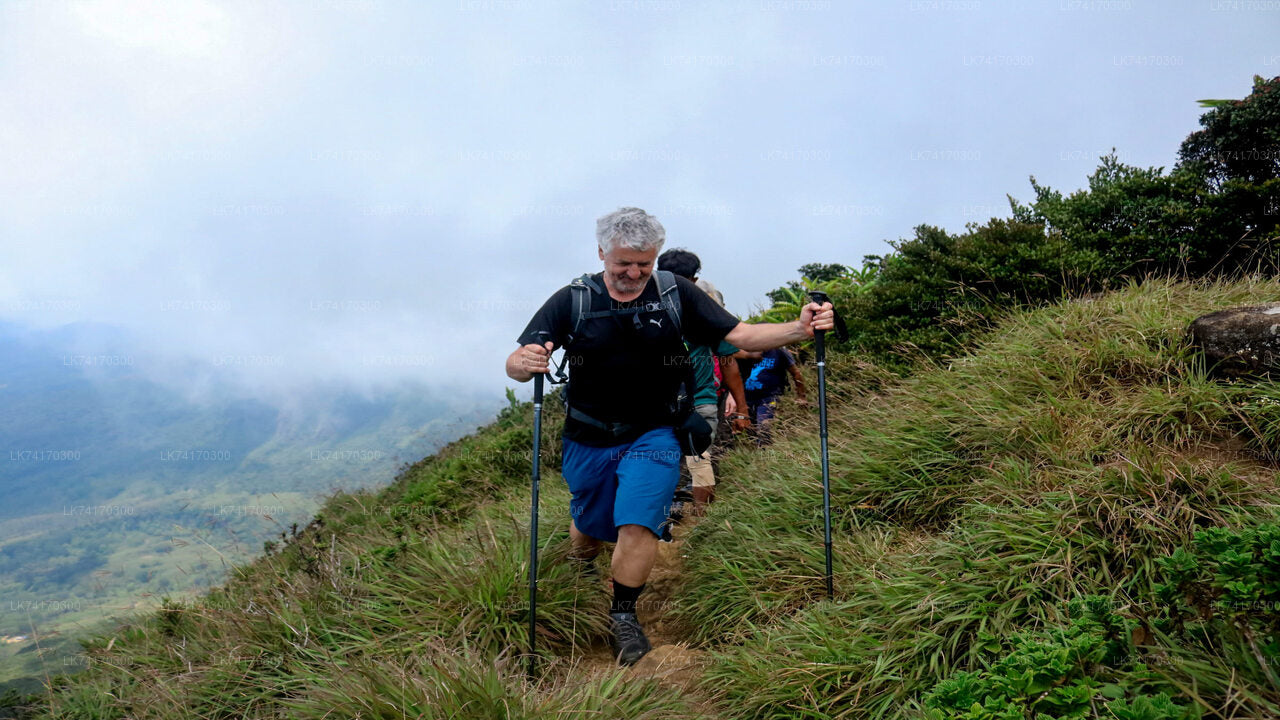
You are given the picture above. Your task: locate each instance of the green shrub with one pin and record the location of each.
(1224, 592)
(1060, 672)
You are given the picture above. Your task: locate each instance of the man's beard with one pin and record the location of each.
(627, 285)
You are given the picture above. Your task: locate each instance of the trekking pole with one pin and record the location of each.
(533, 520)
(820, 348)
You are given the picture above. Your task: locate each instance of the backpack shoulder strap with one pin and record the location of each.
(669, 294)
(581, 287)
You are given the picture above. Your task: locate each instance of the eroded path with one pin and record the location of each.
(671, 661)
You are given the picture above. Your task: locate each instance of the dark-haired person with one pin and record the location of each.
(621, 456)
(766, 379)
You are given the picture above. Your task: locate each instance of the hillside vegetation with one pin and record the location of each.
(974, 503)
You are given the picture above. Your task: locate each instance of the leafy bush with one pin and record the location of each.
(1217, 212)
(1225, 591)
(1130, 222)
(938, 290)
(1063, 672)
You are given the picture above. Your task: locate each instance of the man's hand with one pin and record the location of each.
(736, 419)
(817, 317)
(528, 360)
(536, 358)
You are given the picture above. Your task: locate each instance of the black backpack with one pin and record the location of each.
(692, 430)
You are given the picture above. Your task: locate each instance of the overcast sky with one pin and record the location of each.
(371, 190)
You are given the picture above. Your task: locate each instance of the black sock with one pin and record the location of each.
(624, 598)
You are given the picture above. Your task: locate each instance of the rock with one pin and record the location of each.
(673, 664)
(1240, 341)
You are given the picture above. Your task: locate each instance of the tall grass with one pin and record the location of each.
(1061, 457)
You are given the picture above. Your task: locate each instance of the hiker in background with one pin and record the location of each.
(765, 381)
(700, 473)
(726, 370)
(624, 344)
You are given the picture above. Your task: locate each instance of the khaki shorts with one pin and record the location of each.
(700, 465)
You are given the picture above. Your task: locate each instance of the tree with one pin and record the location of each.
(1236, 158)
(1130, 222)
(1239, 139)
(1216, 213)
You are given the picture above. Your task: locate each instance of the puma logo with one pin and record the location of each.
(656, 321)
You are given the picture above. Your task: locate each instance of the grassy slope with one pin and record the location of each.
(1071, 449)
(1077, 444)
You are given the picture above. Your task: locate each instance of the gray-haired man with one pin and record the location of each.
(621, 457)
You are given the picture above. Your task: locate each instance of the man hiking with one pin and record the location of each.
(705, 401)
(621, 454)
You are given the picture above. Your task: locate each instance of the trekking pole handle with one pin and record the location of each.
(842, 331)
(539, 377)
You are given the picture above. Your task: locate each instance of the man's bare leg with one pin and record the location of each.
(633, 558)
(585, 547)
(634, 555)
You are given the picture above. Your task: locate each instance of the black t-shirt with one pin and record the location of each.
(622, 374)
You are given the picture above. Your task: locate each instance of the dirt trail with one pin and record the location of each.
(671, 661)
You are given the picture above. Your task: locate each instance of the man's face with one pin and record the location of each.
(628, 270)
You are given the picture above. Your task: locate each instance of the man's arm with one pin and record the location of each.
(767, 336)
(799, 380)
(733, 379)
(547, 325)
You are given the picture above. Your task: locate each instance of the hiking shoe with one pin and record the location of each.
(629, 641)
(683, 494)
(666, 536)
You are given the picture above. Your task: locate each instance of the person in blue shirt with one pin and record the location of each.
(766, 379)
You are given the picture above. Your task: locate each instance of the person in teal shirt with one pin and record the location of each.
(701, 475)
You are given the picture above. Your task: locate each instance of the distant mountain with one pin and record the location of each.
(124, 478)
(84, 422)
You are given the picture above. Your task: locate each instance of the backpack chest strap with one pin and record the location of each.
(584, 286)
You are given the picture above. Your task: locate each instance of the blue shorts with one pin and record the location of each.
(628, 484)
